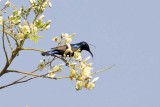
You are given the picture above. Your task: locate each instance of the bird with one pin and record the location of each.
(60, 50)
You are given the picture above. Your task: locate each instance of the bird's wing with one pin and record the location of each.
(64, 48)
(74, 49)
(61, 48)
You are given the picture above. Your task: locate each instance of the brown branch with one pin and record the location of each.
(4, 48)
(103, 70)
(9, 43)
(19, 80)
(33, 49)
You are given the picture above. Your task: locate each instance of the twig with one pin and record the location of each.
(19, 80)
(28, 73)
(103, 70)
(9, 43)
(64, 60)
(33, 49)
(38, 12)
(7, 61)
(36, 75)
(11, 37)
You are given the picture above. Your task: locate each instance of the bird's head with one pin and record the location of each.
(85, 46)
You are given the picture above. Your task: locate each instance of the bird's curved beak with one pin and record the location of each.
(90, 53)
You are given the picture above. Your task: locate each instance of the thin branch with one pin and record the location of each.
(19, 80)
(27, 73)
(16, 82)
(103, 70)
(64, 60)
(4, 48)
(9, 43)
(38, 11)
(33, 49)
(36, 75)
(11, 37)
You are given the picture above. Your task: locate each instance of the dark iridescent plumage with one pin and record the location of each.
(61, 49)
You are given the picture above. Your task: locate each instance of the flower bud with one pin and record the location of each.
(7, 4)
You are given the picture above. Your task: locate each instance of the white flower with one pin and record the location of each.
(64, 35)
(69, 50)
(51, 74)
(49, 21)
(41, 65)
(47, 27)
(67, 37)
(50, 4)
(79, 85)
(73, 74)
(68, 40)
(87, 59)
(55, 39)
(89, 64)
(41, 17)
(19, 12)
(7, 3)
(86, 72)
(95, 79)
(32, 1)
(20, 36)
(57, 68)
(33, 28)
(1, 20)
(24, 29)
(78, 56)
(90, 85)
(73, 65)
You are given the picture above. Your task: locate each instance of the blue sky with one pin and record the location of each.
(125, 32)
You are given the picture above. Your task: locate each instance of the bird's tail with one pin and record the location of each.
(45, 53)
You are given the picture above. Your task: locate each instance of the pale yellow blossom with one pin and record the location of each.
(57, 68)
(86, 72)
(79, 85)
(1, 20)
(90, 85)
(24, 29)
(47, 27)
(34, 29)
(7, 4)
(73, 65)
(41, 65)
(87, 59)
(51, 74)
(73, 74)
(41, 17)
(32, 1)
(95, 79)
(69, 50)
(50, 4)
(56, 39)
(67, 38)
(78, 56)
(20, 36)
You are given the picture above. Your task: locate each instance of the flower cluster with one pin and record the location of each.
(40, 5)
(1, 20)
(19, 27)
(55, 70)
(80, 70)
